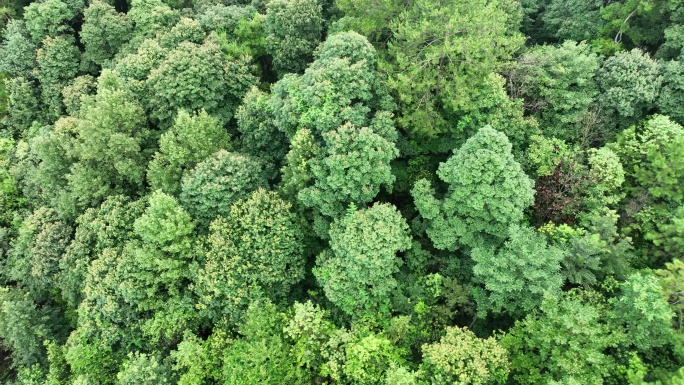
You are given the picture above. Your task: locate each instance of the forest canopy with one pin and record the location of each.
(361, 192)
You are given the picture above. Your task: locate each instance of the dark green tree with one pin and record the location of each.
(216, 183)
(293, 31)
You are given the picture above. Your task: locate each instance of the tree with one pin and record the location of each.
(672, 288)
(254, 251)
(670, 100)
(565, 341)
(33, 262)
(356, 273)
(216, 183)
(73, 93)
(144, 370)
(629, 83)
(441, 53)
(58, 60)
(48, 18)
(262, 355)
(151, 17)
(196, 77)
(109, 226)
(23, 107)
(293, 30)
(111, 147)
(18, 51)
(572, 19)
(351, 169)
(190, 140)
(345, 71)
(645, 314)
(22, 327)
(488, 191)
(259, 135)
(461, 358)
(557, 84)
(103, 33)
(519, 274)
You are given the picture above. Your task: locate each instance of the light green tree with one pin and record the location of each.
(558, 86)
(488, 192)
(353, 166)
(48, 18)
(254, 251)
(565, 341)
(644, 313)
(259, 135)
(518, 275)
(195, 77)
(58, 61)
(460, 357)
(442, 52)
(357, 272)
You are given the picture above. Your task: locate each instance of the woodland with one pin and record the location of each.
(361, 192)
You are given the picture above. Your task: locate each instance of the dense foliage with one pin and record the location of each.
(362, 192)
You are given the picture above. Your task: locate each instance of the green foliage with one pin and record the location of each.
(110, 148)
(22, 107)
(670, 99)
(259, 135)
(557, 84)
(672, 288)
(17, 51)
(606, 171)
(198, 361)
(368, 358)
(216, 183)
(48, 18)
(73, 93)
(309, 329)
(357, 272)
(58, 60)
(341, 85)
(22, 327)
(190, 140)
(629, 83)
(645, 314)
(108, 226)
(151, 17)
(519, 274)
(143, 369)
(217, 17)
(441, 54)
(254, 251)
(565, 341)
(296, 174)
(488, 191)
(34, 260)
(351, 169)
(103, 33)
(545, 154)
(196, 77)
(293, 30)
(572, 19)
(261, 356)
(461, 358)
